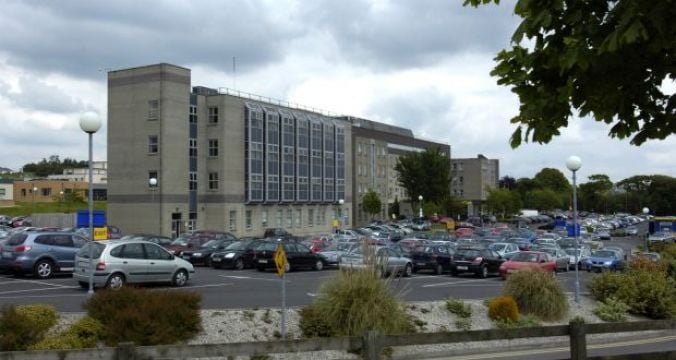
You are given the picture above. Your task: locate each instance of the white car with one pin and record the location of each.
(506, 250)
(582, 255)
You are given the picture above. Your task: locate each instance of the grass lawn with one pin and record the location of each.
(26, 208)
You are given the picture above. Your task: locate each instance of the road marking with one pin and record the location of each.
(252, 278)
(236, 277)
(14, 281)
(199, 286)
(455, 282)
(29, 290)
(311, 294)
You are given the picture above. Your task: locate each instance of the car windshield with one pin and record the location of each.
(180, 241)
(469, 253)
(239, 245)
(572, 252)
(95, 247)
(211, 244)
(498, 247)
(525, 257)
(604, 253)
(17, 239)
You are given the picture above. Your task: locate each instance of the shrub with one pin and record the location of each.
(524, 321)
(612, 310)
(641, 263)
(459, 308)
(605, 285)
(463, 323)
(24, 325)
(352, 303)
(538, 293)
(504, 309)
(146, 317)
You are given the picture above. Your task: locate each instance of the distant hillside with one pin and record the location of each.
(4, 170)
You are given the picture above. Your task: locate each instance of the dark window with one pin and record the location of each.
(153, 109)
(193, 114)
(62, 240)
(133, 251)
(153, 144)
(213, 147)
(44, 240)
(192, 182)
(79, 241)
(156, 253)
(46, 191)
(213, 115)
(213, 181)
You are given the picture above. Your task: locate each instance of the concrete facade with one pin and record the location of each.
(376, 148)
(222, 162)
(6, 192)
(47, 190)
(471, 178)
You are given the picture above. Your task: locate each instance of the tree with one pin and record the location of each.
(503, 201)
(553, 179)
(394, 208)
(425, 173)
(546, 199)
(603, 58)
(594, 193)
(371, 203)
(507, 182)
(53, 165)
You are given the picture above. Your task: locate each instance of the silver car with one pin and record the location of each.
(130, 262)
(387, 260)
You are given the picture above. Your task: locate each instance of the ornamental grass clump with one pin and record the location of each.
(352, 303)
(537, 292)
(503, 309)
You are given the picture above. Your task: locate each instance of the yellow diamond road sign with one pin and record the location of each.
(280, 260)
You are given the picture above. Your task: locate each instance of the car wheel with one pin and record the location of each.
(260, 268)
(408, 270)
(43, 269)
(83, 284)
(454, 273)
(180, 278)
(439, 269)
(483, 273)
(115, 281)
(239, 264)
(319, 265)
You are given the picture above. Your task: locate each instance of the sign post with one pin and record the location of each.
(281, 263)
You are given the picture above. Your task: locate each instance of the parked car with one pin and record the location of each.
(631, 230)
(386, 260)
(160, 240)
(238, 255)
(41, 253)
(130, 262)
(297, 256)
(506, 250)
(433, 257)
(481, 262)
(202, 255)
(275, 232)
(603, 234)
(561, 258)
(605, 260)
(197, 239)
(523, 243)
(527, 260)
(583, 253)
(334, 252)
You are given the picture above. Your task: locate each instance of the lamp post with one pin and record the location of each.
(420, 198)
(90, 123)
(340, 213)
(60, 199)
(35, 190)
(574, 164)
(152, 183)
(646, 211)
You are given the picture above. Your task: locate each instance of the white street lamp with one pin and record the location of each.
(420, 198)
(574, 164)
(35, 190)
(341, 202)
(90, 123)
(152, 183)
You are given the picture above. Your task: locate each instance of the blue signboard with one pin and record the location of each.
(83, 218)
(571, 232)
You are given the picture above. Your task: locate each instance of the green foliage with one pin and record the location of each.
(611, 309)
(425, 173)
(53, 166)
(22, 326)
(459, 308)
(503, 201)
(552, 179)
(524, 321)
(646, 292)
(371, 203)
(463, 323)
(84, 333)
(503, 309)
(576, 55)
(546, 199)
(352, 303)
(538, 293)
(395, 208)
(146, 317)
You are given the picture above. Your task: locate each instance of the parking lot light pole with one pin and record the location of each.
(420, 199)
(90, 123)
(646, 211)
(35, 190)
(340, 214)
(152, 183)
(574, 164)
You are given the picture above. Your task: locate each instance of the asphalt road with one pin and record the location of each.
(226, 289)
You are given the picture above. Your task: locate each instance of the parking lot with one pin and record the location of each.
(222, 289)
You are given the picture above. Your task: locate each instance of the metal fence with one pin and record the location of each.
(369, 346)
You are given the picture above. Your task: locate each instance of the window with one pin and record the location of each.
(310, 217)
(299, 217)
(156, 253)
(132, 251)
(153, 144)
(289, 218)
(23, 192)
(248, 220)
(193, 147)
(233, 220)
(213, 115)
(213, 147)
(46, 191)
(213, 181)
(279, 218)
(264, 218)
(3, 192)
(153, 109)
(192, 119)
(192, 183)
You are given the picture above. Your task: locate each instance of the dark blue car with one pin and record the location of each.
(605, 260)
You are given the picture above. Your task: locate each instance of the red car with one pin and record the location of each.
(528, 259)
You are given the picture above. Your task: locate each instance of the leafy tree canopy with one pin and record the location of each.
(503, 201)
(605, 58)
(53, 166)
(549, 178)
(546, 199)
(371, 203)
(425, 173)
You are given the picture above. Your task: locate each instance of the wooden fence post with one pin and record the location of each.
(370, 349)
(125, 351)
(578, 340)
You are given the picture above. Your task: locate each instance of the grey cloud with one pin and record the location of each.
(39, 96)
(411, 33)
(78, 37)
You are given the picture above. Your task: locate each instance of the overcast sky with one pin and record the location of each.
(420, 64)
